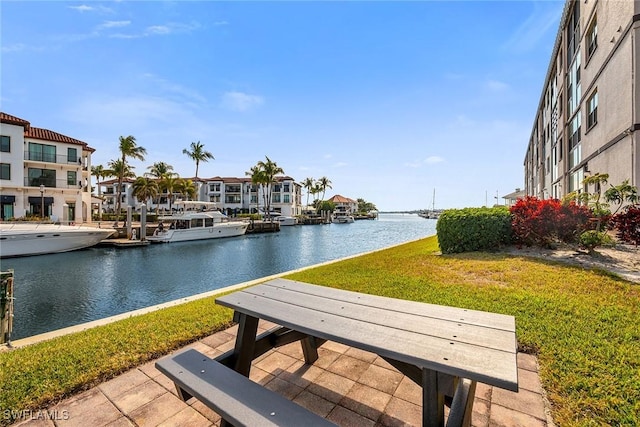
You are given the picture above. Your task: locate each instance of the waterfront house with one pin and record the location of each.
(588, 116)
(344, 204)
(43, 173)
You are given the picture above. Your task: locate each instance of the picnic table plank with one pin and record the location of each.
(393, 316)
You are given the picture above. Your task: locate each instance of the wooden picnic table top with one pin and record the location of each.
(472, 344)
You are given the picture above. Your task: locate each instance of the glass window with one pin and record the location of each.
(71, 178)
(42, 152)
(5, 146)
(285, 188)
(214, 187)
(72, 155)
(592, 110)
(286, 199)
(5, 171)
(592, 38)
(276, 197)
(38, 177)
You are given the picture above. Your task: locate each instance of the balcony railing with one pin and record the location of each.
(52, 158)
(52, 183)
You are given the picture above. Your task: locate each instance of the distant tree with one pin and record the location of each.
(270, 169)
(364, 206)
(100, 173)
(308, 184)
(186, 188)
(128, 148)
(258, 178)
(145, 188)
(122, 170)
(324, 184)
(160, 169)
(198, 154)
(169, 184)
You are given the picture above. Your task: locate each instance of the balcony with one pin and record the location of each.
(52, 183)
(53, 158)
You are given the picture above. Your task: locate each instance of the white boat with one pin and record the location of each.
(26, 238)
(342, 216)
(286, 220)
(196, 221)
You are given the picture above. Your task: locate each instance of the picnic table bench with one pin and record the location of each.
(446, 350)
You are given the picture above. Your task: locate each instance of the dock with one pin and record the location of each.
(123, 243)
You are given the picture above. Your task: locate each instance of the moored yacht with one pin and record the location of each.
(27, 238)
(196, 221)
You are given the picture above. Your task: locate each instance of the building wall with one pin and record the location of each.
(552, 168)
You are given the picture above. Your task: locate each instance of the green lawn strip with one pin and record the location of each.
(582, 324)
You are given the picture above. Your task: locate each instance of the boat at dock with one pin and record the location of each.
(27, 238)
(342, 215)
(196, 221)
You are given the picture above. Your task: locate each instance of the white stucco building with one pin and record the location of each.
(42, 169)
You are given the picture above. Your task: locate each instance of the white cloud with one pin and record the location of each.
(496, 86)
(431, 160)
(341, 165)
(81, 8)
(544, 17)
(113, 24)
(239, 101)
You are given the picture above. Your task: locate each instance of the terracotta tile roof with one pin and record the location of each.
(115, 181)
(13, 120)
(341, 199)
(49, 135)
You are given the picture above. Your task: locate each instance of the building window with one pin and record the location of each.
(286, 198)
(574, 87)
(592, 38)
(575, 152)
(5, 171)
(573, 32)
(37, 177)
(214, 187)
(5, 147)
(592, 110)
(72, 155)
(285, 188)
(42, 152)
(71, 178)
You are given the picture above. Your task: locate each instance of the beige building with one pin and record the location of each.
(43, 173)
(589, 112)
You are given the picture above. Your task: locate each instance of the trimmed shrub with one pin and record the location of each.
(542, 222)
(627, 225)
(473, 229)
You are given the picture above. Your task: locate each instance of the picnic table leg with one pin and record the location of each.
(245, 343)
(432, 400)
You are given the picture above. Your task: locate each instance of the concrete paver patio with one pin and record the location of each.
(349, 387)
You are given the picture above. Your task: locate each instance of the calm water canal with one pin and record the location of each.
(59, 290)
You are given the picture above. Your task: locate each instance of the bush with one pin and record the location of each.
(541, 222)
(627, 225)
(473, 229)
(591, 239)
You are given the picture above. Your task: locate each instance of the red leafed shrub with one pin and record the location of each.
(627, 225)
(541, 222)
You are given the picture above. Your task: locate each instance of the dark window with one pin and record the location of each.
(71, 178)
(5, 147)
(592, 38)
(42, 152)
(72, 155)
(46, 177)
(5, 172)
(592, 110)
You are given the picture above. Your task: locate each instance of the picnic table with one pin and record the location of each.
(434, 345)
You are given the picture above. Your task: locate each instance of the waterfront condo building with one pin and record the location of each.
(589, 112)
(43, 173)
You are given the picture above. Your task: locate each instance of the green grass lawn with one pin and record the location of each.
(584, 326)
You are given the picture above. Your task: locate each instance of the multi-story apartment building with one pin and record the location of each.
(232, 195)
(589, 112)
(43, 173)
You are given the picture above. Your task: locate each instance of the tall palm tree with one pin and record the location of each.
(198, 154)
(324, 184)
(128, 148)
(122, 170)
(270, 169)
(308, 185)
(258, 179)
(100, 173)
(145, 188)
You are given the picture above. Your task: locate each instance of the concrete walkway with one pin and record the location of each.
(348, 386)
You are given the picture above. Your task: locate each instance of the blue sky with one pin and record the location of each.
(389, 100)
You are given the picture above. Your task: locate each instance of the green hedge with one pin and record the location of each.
(473, 229)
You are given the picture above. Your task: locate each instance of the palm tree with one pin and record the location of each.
(198, 154)
(270, 169)
(186, 188)
(122, 170)
(258, 179)
(324, 184)
(100, 172)
(160, 169)
(308, 185)
(128, 148)
(169, 184)
(145, 188)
